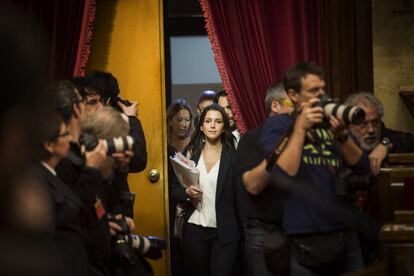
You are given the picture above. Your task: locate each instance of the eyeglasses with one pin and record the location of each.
(286, 102)
(374, 123)
(64, 134)
(94, 101)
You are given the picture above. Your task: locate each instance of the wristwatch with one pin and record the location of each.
(387, 143)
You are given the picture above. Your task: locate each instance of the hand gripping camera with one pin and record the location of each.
(349, 114)
(125, 245)
(114, 103)
(112, 145)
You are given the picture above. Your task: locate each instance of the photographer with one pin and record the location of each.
(106, 86)
(106, 89)
(318, 222)
(82, 173)
(108, 124)
(65, 231)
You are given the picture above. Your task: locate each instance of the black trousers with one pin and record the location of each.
(204, 255)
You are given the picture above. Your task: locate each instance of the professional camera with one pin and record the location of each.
(125, 244)
(112, 145)
(347, 183)
(114, 103)
(349, 114)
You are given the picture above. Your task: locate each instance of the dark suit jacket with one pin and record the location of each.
(402, 142)
(87, 183)
(228, 225)
(66, 232)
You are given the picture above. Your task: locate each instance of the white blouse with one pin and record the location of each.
(236, 134)
(205, 213)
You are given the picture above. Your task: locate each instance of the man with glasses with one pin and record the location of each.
(66, 223)
(106, 92)
(373, 136)
(80, 174)
(264, 200)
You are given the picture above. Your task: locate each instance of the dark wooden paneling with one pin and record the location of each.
(347, 40)
(184, 18)
(184, 8)
(186, 26)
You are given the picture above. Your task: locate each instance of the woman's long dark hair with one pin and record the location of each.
(172, 110)
(196, 144)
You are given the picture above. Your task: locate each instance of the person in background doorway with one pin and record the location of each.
(205, 99)
(222, 100)
(179, 130)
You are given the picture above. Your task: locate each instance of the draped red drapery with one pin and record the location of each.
(254, 42)
(63, 28)
(85, 38)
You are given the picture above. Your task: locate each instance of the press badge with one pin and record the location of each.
(99, 208)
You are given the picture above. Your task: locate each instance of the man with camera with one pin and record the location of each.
(308, 150)
(106, 90)
(127, 250)
(82, 172)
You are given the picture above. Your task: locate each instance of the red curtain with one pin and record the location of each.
(254, 42)
(62, 27)
(85, 38)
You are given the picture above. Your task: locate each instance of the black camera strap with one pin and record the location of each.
(278, 149)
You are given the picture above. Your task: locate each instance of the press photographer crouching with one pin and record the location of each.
(319, 223)
(128, 249)
(89, 170)
(105, 91)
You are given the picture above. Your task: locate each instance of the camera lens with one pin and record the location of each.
(119, 144)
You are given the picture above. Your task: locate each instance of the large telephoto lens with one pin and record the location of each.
(349, 114)
(119, 144)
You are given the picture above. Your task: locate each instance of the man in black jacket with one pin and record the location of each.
(66, 228)
(373, 136)
(264, 201)
(82, 174)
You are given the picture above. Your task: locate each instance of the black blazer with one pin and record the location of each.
(87, 183)
(66, 232)
(228, 224)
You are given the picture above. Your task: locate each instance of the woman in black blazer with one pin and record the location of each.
(210, 238)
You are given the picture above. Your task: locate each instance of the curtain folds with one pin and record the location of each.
(63, 28)
(254, 42)
(85, 38)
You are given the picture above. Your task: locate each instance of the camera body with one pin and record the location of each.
(347, 183)
(112, 145)
(125, 245)
(349, 114)
(114, 103)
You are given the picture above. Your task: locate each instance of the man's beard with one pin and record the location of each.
(367, 146)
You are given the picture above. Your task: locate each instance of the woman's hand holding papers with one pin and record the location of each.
(194, 192)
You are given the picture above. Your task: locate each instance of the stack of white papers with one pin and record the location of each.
(185, 168)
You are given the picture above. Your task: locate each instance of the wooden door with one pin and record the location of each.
(128, 42)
